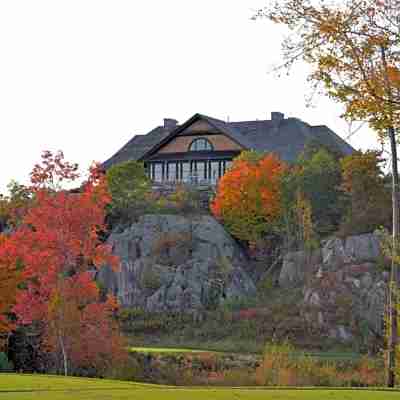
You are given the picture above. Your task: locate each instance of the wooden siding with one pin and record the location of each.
(181, 144)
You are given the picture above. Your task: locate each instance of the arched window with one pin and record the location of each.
(200, 145)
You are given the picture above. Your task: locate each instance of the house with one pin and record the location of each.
(202, 149)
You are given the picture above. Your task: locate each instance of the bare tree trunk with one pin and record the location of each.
(64, 354)
(394, 278)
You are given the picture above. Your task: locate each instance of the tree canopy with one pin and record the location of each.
(248, 196)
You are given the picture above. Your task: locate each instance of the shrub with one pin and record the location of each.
(5, 364)
(172, 248)
(282, 366)
(185, 199)
(151, 278)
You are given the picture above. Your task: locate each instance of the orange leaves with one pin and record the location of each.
(248, 196)
(394, 76)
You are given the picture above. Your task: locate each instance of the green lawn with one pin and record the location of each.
(165, 350)
(44, 387)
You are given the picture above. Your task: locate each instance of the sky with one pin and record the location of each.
(85, 76)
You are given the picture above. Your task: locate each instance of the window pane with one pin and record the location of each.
(223, 167)
(201, 169)
(158, 172)
(214, 171)
(172, 172)
(200, 145)
(185, 171)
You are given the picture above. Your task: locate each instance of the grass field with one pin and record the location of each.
(44, 387)
(165, 350)
(324, 356)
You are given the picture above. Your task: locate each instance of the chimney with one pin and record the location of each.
(277, 116)
(170, 123)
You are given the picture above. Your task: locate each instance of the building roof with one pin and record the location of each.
(137, 146)
(285, 137)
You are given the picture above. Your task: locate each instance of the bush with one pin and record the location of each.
(282, 366)
(185, 200)
(5, 365)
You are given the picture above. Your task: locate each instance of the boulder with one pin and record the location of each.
(354, 249)
(176, 263)
(374, 306)
(363, 248)
(333, 254)
(348, 304)
(297, 266)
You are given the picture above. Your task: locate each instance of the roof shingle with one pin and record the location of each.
(284, 137)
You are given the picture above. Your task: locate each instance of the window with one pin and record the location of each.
(158, 172)
(185, 172)
(200, 145)
(201, 170)
(214, 171)
(172, 172)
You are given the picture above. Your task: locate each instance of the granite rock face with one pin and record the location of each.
(175, 263)
(354, 249)
(344, 289)
(297, 266)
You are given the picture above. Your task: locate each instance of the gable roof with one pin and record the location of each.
(284, 137)
(221, 126)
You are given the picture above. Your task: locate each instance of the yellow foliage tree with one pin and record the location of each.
(352, 47)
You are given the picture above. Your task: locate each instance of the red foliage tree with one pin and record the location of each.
(248, 196)
(58, 245)
(9, 279)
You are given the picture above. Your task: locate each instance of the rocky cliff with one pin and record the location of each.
(344, 285)
(176, 263)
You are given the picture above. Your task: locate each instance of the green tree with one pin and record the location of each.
(317, 177)
(130, 187)
(365, 189)
(14, 205)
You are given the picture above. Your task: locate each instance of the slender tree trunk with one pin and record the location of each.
(64, 354)
(394, 278)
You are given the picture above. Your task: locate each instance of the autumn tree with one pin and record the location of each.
(352, 47)
(57, 245)
(9, 280)
(367, 196)
(248, 196)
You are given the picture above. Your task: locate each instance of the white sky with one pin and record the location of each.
(84, 76)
